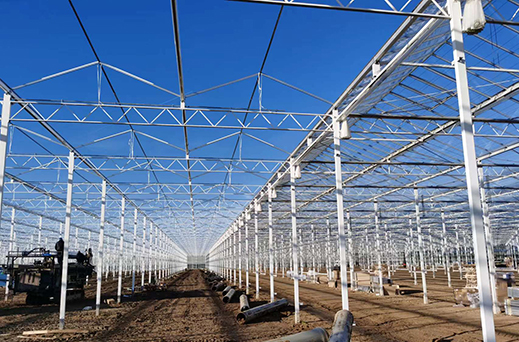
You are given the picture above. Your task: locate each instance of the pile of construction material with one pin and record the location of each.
(247, 313)
(512, 307)
(218, 284)
(469, 296)
(369, 281)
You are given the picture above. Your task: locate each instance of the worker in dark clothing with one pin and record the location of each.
(89, 256)
(80, 257)
(60, 246)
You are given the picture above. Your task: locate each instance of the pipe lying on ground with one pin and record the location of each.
(219, 287)
(229, 295)
(262, 310)
(227, 289)
(315, 335)
(244, 302)
(215, 278)
(342, 326)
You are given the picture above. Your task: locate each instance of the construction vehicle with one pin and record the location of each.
(38, 273)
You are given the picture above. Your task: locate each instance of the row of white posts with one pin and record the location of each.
(480, 226)
(158, 254)
(223, 255)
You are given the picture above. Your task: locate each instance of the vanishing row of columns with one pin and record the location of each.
(163, 258)
(479, 225)
(220, 254)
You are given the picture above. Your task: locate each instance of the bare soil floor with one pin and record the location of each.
(190, 311)
(187, 311)
(400, 318)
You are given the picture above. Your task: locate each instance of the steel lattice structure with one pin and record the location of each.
(388, 153)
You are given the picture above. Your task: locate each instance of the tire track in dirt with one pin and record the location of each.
(136, 313)
(191, 312)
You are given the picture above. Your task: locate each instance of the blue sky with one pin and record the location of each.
(319, 51)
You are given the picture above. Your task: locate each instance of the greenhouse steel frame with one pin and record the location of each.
(416, 159)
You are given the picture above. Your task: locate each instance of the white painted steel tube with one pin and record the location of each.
(121, 256)
(244, 303)
(293, 214)
(340, 209)
(4, 132)
(100, 254)
(64, 266)
(420, 246)
(470, 159)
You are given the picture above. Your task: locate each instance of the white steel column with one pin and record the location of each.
(256, 247)
(282, 256)
(431, 254)
(312, 232)
(413, 254)
(121, 243)
(150, 254)
(458, 253)
(4, 132)
(295, 268)
(329, 249)
(143, 262)
(387, 251)
(11, 248)
(234, 253)
(156, 254)
(271, 248)
(76, 238)
(40, 225)
(469, 153)
(64, 269)
(490, 245)
(276, 255)
(420, 245)
(159, 266)
(300, 253)
(228, 258)
(100, 254)
(446, 253)
(224, 260)
(378, 251)
(247, 251)
(134, 254)
(240, 224)
(340, 209)
(350, 250)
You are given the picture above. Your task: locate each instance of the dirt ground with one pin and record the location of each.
(190, 311)
(187, 311)
(400, 318)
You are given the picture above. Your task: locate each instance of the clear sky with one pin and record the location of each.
(319, 51)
